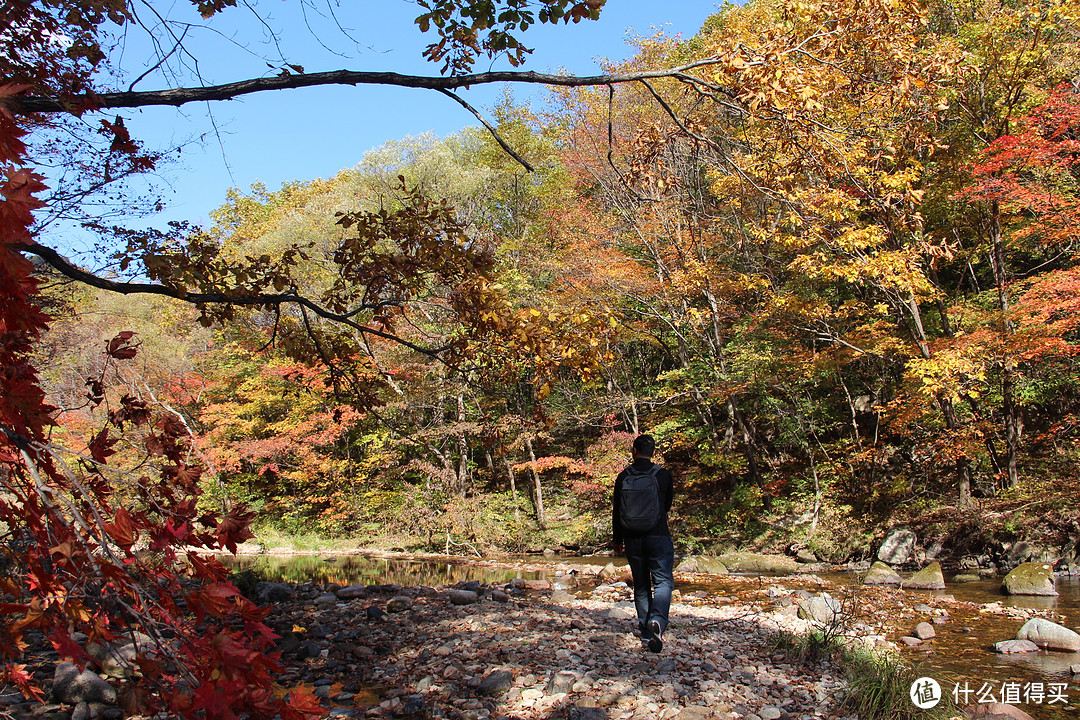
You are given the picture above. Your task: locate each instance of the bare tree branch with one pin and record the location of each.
(66, 268)
(181, 96)
(491, 129)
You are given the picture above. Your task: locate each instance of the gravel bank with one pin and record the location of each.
(539, 650)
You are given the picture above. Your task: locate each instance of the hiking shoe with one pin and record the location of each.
(656, 636)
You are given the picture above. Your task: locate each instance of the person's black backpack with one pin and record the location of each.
(639, 499)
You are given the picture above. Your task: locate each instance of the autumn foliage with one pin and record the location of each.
(830, 263)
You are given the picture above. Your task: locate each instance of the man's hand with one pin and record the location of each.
(618, 548)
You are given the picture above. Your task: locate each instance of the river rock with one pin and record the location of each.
(326, 600)
(898, 547)
(1075, 669)
(929, 578)
(561, 682)
(561, 597)
(495, 684)
(806, 556)
(995, 711)
(1021, 552)
(965, 578)
(703, 564)
(463, 597)
(1009, 647)
(755, 563)
(119, 662)
(82, 711)
(1030, 578)
(824, 609)
(399, 603)
(72, 687)
(881, 574)
(1049, 635)
(352, 592)
(925, 631)
(272, 592)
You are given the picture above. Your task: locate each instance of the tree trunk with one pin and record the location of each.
(753, 471)
(963, 465)
(463, 450)
(1009, 408)
(538, 490)
(513, 488)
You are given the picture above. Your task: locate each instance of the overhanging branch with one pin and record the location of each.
(180, 96)
(67, 269)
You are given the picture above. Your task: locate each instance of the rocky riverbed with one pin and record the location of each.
(538, 650)
(564, 648)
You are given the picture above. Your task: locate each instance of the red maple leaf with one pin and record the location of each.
(101, 446)
(302, 705)
(122, 530)
(17, 674)
(121, 348)
(215, 599)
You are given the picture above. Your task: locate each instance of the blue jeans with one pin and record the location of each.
(652, 559)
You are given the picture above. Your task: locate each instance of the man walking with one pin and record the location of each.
(639, 521)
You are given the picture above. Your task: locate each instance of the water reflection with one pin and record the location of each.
(962, 654)
(363, 570)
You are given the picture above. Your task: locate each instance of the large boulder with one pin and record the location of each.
(898, 547)
(70, 686)
(924, 631)
(703, 564)
(755, 563)
(995, 711)
(1021, 552)
(1049, 635)
(1030, 578)
(463, 597)
(272, 592)
(352, 592)
(824, 609)
(117, 659)
(881, 574)
(1009, 647)
(929, 578)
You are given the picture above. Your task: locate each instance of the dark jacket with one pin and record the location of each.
(663, 479)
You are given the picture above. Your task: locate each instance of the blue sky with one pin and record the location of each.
(309, 133)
